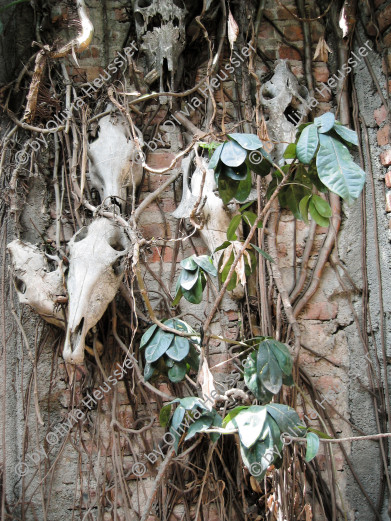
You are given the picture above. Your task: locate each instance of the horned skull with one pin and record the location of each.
(114, 161)
(160, 28)
(36, 284)
(96, 264)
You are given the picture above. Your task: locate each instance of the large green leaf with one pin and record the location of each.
(282, 354)
(233, 154)
(237, 173)
(250, 424)
(303, 208)
(247, 141)
(307, 144)
(286, 418)
(189, 264)
(164, 416)
(258, 164)
(244, 188)
(206, 263)
(319, 219)
(217, 422)
(262, 454)
(227, 188)
(193, 358)
(312, 446)
(177, 372)
(179, 348)
(148, 371)
(177, 417)
(216, 157)
(269, 372)
(195, 294)
(203, 423)
(337, 170)
(252, 381)
(189, 278)
(232, 227)
(325, 122)
(158, 346)
(290, 151)
(261, 252)
(147, 335)
(232, 414)
(346, 133)
(322, 206)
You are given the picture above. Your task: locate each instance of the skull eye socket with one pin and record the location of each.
(117, 245)
(117, 267)
(81, 234)
(138, 18)
(20, 285)
(144, 3)
(178, 3)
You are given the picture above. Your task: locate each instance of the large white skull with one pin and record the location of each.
(35, 283)
(96, 264)
(114, 161)
(160, 28)
(284, 101)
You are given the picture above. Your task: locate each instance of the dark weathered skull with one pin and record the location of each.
(161, 34)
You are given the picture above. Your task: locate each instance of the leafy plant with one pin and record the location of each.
(267, 368)
(244, 267)
(192, 279)
(169, 353)
(192, 414)
(260, 428)
(233, 161)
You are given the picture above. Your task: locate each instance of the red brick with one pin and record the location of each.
(386, 64)
(287, 53)
(380, 115)
(160, 159)
(320, 311)
(385, 157)
(282, 14)
(266, 31)
(384, 18)
(120, 15)
(93, 72)
(217, 359)
(293, 33)
(383, 135)
(155, 230)
(95, 51)
(371, 28)
(317, 30)
(387, 179)
(388, 202)
(321, 72)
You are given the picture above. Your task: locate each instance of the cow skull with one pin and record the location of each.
(160, 28)
(96, 264)
(35, 284)
(285, 103)
(114, 161)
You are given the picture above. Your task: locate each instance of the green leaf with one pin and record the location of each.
(189, 263)
(322, 206)
(193, 358)
(247, 205)
(178, 297)
(286, 418)
(269, 372)
(283, 356)
(319, 219)
(247, 141)
(203, 423)
(191, 402)
(261, 252)
(147, 335)
(189, 278)
(303, 208)
(231, 415)
(177, 417)
(233, 225)
(164, 415)
(227, 188)
(217, 422)
(312, 446)
(148, 372)
(237, 173)
(260, 456)
(249, 218)
(222, 246)
(206, 263)
(233, 155)
(257, 163)
(307, 144)
(288, 380)
(216, 157)
(346, 133)
(158, 346)
(195, 294)
(325, 122)
(250, 424)
(290, 151)
(179, 348)
(337, 170)
(177, 372)
(320, 434)
(244, 188)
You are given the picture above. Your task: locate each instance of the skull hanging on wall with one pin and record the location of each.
(160, 28)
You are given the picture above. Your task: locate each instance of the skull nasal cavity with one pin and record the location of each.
(117, 245)
(269, 92)
(156, 21)
(81, 234)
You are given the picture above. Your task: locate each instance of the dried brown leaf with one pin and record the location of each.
(233, 30)
(205, 379)
(322, 50)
